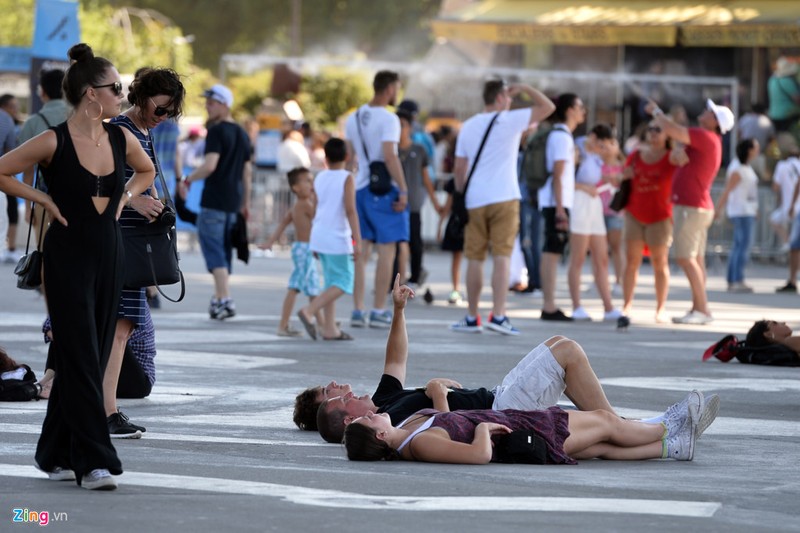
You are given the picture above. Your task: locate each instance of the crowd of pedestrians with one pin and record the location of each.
(359, 192)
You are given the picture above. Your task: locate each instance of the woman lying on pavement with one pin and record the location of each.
(469, 437)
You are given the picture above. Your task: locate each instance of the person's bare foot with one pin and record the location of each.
(46, 384)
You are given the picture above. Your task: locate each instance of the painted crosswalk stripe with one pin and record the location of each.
(352, 500)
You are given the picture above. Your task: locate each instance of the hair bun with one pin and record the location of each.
(80, 52)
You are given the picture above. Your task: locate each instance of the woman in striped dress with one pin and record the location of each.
(156, 94)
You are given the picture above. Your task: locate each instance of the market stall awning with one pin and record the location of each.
(642, 23)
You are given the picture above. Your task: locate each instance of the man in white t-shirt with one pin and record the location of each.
(784, 180)
(492, 197)
(555, 198)
(372, 134)
(790, 167)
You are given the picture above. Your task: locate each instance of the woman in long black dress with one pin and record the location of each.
(83, 163)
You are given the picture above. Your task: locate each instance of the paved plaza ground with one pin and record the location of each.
(221, 452)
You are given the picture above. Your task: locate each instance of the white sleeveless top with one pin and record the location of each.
(422, 427)
(330, 230)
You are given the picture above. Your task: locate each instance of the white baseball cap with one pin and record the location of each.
(724, 116)
(221, 94)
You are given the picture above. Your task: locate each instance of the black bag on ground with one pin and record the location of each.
(20, 390)
(523, 446)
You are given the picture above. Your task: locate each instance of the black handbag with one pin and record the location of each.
(29, 266)
(522, 446)
(151, 250)
(459, 205)
(621, 197)
(380, 181)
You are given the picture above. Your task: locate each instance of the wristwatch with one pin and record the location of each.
(130, 196)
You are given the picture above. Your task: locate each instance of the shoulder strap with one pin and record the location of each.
(361, 135)
(480, 150)
(47, 122)
(161, 179)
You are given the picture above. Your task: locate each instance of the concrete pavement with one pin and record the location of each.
(221, 451)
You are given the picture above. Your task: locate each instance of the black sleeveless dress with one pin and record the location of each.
(83, 264)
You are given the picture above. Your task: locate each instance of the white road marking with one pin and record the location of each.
(195, 359)
(685, 383)
(350, 500)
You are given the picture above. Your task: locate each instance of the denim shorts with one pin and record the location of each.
(214, 230)
(379, 222)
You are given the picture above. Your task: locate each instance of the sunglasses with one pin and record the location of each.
(116, 87)
(654, 129)
(160, 111)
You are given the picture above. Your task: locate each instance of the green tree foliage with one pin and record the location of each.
(378, 28)
(327, 96)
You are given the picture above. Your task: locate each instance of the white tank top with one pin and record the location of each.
(330, 230)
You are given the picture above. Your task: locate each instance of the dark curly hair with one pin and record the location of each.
(362, 444)
(305, 409)
(756, 337)
(85, 70)
(149, 82)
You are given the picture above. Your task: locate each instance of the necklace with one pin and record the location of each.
(95, 141)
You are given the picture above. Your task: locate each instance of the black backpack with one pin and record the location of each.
(20, 390)
(534, 160)
(771, 354)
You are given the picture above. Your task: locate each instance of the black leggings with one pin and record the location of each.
(12, 209)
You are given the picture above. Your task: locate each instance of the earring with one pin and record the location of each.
(99, 115)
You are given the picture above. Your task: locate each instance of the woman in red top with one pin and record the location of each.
(648, 217)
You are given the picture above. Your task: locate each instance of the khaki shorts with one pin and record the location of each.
(691, 230)
(655, 234)
(494, 224)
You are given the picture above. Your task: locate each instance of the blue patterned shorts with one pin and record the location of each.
(304, 277)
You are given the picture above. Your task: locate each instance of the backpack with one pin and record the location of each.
(534, 159)
(20, 390)
(772, 354)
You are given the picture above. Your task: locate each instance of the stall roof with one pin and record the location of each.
(639, 23)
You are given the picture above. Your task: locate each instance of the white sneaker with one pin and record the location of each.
(695, 318)
(681, 446)
(579, 313)
(99, 479)
(58, 473)
(612, 315)
(708, 414)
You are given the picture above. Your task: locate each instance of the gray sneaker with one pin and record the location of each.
(708, 414)
(98, 479)
(675, 416)
(357, 319)
(380, 319)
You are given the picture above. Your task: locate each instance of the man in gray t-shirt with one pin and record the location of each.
(414, 160)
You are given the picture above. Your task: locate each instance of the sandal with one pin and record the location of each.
(310, 329)
(342, 337)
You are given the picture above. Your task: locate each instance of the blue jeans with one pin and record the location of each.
(740, 252)
(214, 231)
(530, 229)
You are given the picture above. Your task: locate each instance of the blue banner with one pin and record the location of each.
(15, 59)
(56, 28)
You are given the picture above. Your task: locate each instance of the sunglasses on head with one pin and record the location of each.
(116, 87)
(654, 129)
(160, 111)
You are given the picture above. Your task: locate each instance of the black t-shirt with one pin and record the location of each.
(223, 188)
(400, 403)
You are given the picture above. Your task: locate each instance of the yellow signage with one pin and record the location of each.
(741, 35)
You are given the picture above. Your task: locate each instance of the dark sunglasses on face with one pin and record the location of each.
(116, 87)
(654, 129)
(160, 111)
